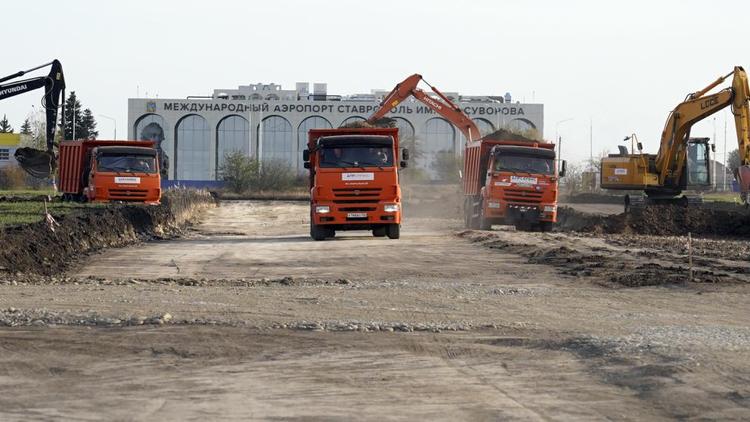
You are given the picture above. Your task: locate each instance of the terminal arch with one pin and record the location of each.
(192, 149)
(276, 141)
(312, 122)
(232, 134)
(151, 127)
(521, 124)
(485, 126)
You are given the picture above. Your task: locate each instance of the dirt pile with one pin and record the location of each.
(382, 122)
(665, 220)
(35, 248)
(503, 134)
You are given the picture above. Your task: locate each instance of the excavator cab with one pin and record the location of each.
(698, 164)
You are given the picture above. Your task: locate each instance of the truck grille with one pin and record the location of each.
(357, 193)
(125, 194)
(354, 209)
(522, 196)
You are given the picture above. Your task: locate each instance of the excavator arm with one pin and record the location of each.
(441, 105)
(670, 160)
(37, 163)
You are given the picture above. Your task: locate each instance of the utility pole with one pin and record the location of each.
(591, 144)
(725, 151)
(713, 178)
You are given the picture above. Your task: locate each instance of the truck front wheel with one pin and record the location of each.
(320, 232)
(379, 231)
(393, 231)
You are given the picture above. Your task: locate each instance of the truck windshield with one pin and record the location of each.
(524, 163)
(131, 163)
(356, 156)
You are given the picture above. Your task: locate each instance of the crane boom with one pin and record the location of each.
(39, 164)
(441, 105)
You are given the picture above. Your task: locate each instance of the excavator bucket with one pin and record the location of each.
(39, 164)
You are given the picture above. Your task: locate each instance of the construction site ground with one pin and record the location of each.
(245, 317)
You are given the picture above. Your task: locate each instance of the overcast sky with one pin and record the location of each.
(622, 65)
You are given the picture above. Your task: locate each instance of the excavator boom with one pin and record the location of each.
(441, 105)
(39, 163)
(663, 174)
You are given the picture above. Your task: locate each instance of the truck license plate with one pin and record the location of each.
(357, 215)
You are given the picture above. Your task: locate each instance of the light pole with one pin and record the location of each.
(559, 140)
(113, 121)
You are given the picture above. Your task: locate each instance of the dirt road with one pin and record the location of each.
(245, 318)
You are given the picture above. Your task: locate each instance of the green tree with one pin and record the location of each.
(88, 125)
(73, 116)
(733, 160)
(5, 126)
(26, 127)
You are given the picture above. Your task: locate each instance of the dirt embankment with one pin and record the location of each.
(663, 220)
(36, 248)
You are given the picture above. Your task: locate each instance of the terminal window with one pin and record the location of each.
(4, 154)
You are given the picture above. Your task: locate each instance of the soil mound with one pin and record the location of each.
(662, 220)
(35, 248)
(383, 122)
(503, 134)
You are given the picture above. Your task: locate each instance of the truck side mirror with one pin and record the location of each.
(306, 164)
(405, 154)
(404, 164)
(713, 147)
(563, 168)
(306, 156)
(640, 146)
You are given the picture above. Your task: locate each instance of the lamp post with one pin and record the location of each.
(113, 121)
(559, 140)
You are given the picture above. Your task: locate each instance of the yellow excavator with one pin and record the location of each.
(682, 161)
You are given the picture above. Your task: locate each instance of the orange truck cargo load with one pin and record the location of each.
(354, 181)
(510, 182)
(109, 171)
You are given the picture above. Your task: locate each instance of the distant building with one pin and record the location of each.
(268, 122)
(9, 143)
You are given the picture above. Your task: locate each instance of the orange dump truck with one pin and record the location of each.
(510, 182)
(109, 171)
(354, 181)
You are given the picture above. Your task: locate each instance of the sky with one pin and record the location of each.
(616, 67)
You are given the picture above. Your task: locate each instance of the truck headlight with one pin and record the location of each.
(322, 209)
(493, 205)
(550, 208)
(391, 207)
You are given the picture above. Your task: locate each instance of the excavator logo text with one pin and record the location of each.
(13, 89)
(709, 102)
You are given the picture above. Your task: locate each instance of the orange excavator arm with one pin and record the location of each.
(441, 105)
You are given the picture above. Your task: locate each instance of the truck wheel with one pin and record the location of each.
(379, 232)
(318, 232)
(545, 226)
(393, 231)
(484, 223)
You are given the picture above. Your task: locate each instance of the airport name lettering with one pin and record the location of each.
(333, 108)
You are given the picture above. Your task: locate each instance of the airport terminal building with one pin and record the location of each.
(270, 123)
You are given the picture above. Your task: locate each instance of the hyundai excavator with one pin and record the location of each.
(507, 178)
(40, 164)
(665, 175)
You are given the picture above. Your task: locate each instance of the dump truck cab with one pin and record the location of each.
(511, 182)
(102, 171)
(354, 181)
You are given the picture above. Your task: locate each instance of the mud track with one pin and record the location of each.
(244, 317)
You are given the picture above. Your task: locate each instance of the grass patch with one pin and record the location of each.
(28, 192)
(722, 197)
(24, 212)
